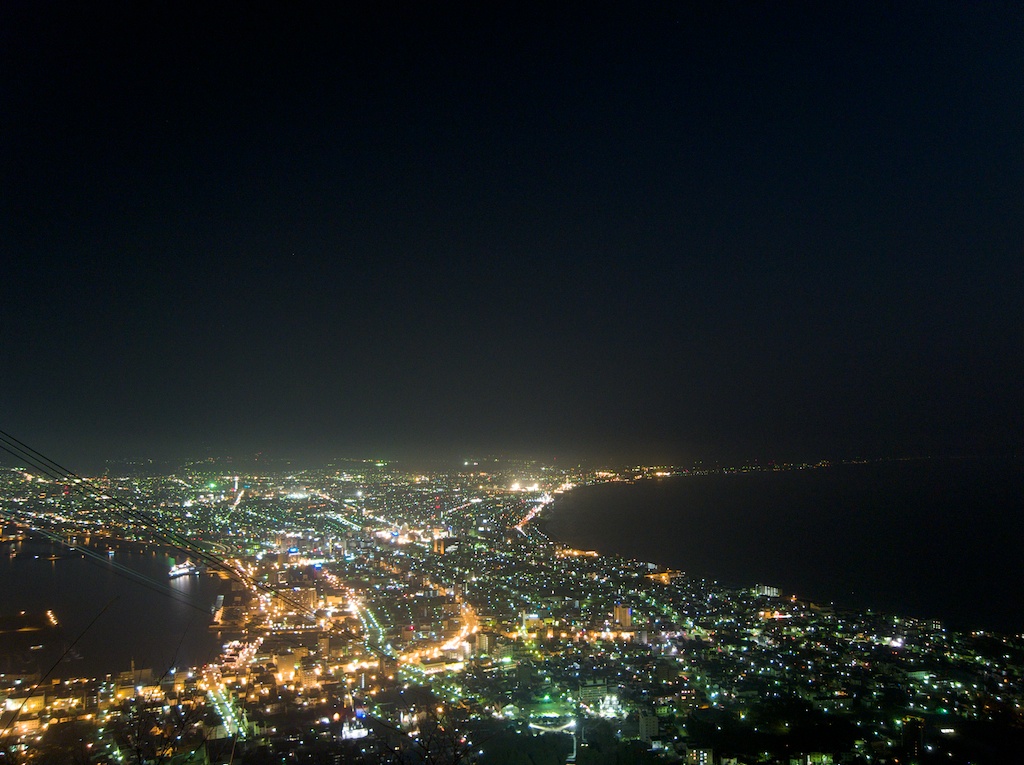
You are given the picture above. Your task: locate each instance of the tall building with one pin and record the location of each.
(913, 737)
(648, 725)
(483, 642)
(624, 616)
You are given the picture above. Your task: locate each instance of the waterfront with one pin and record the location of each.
(926, 538)
(446, 582)
(149, 619)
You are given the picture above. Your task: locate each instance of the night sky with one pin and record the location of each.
(685, 231)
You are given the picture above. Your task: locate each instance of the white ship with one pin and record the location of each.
(185, 568)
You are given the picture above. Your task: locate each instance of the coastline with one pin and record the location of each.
(911, 538)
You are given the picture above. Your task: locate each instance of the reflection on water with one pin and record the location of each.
(136, 612)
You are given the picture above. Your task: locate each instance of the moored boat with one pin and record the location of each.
(185, 568)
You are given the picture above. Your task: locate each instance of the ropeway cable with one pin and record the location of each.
(55, 471)
(55, 665)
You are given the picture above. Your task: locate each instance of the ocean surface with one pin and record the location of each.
(938, 538)
(116, 617)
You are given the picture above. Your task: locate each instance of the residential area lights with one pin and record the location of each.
(360, 602)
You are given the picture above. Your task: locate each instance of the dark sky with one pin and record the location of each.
(723, 231)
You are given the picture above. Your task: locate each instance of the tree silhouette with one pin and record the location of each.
(149, 732)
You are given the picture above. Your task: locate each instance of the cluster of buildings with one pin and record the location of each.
(369, 611)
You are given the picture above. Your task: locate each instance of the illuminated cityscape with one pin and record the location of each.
(372, 614)
(414, 383)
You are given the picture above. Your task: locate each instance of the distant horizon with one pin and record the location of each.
(655, 233)
(453, 459)
(286, 241)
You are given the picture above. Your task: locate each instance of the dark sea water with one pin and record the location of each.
(927, 538)
(159, 623)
